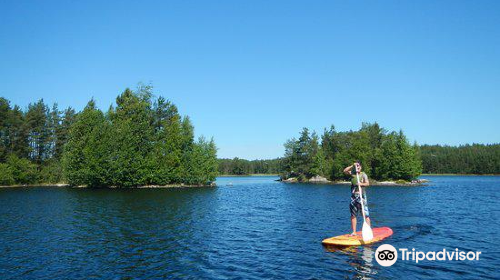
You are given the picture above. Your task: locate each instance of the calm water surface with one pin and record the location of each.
(257, 228)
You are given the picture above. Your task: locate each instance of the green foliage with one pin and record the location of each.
(465, 159)
(4, 134)
(37, 121)
(23, 171)
(62, 131)
(237, 166)
(383, 156)
(140, 142)
(31, 142)
(6, 176)
(13, 131)
(166, 154)
(200, 163)
(304, 156)
(399, 159)
(87, 154)
(132, 138)
(51, 172)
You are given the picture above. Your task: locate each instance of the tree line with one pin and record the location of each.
(140, 141)
(237, 166)
(464, 159)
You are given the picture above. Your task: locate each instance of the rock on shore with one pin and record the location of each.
(318, 179)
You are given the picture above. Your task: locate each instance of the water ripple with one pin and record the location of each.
(255, 229)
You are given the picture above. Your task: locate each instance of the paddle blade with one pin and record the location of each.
(366, 232)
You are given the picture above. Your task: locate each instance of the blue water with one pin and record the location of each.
(255, 229)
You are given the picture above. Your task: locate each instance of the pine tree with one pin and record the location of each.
(316, 157)
(38, 131)
(18, 133)
(4, 129)
(62, 131)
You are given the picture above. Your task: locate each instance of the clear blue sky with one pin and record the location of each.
(253, 73)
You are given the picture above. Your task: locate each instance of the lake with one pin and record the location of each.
(256, 228)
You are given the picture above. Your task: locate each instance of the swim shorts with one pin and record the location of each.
(355, 205)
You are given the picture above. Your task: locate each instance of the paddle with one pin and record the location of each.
(366, 232)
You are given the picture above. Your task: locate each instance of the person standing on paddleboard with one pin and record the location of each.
(355, 205)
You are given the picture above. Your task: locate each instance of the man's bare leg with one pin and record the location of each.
(353, 225)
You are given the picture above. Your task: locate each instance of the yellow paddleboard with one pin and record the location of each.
(357, 240)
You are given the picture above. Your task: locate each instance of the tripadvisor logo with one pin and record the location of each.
(387, 255)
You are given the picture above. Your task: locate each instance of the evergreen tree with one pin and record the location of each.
(316, 156)
(201, 164)
(4, 128)
(188, 155)
(62, 131)
(133, 138)
(53, 125)
(86, 155)
(18, 133)
(38, 131)
(166, 155)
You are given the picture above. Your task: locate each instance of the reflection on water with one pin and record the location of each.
(367, 267)
(247, 228)
(359, 258)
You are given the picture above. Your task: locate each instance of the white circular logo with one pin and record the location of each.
(386, 255)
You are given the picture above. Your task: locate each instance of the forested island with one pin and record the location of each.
(384, 155)
(140, 141)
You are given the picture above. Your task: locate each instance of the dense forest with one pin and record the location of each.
(383, 154)
(237, 166)
(140, 141)
(466, 159)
